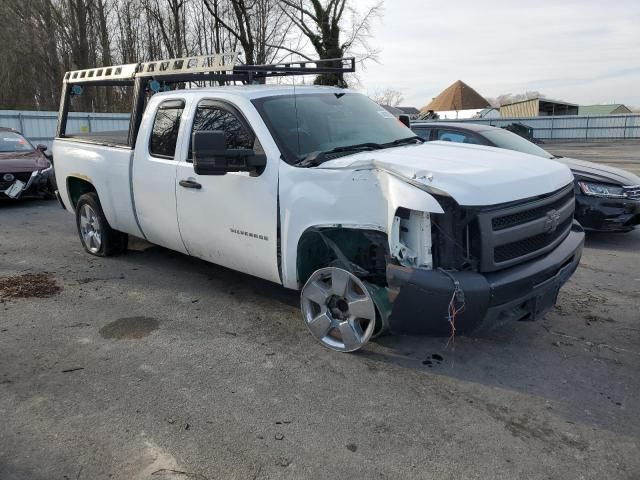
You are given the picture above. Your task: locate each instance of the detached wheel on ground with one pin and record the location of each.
(97, 237)
(338, 309)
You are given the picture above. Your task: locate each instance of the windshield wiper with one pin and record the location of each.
(403, 141)
(316, 158)
(356, 147)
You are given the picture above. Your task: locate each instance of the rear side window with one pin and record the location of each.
(165, 129)
(423, 133)
(458, 137)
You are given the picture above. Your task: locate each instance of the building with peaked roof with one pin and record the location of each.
(458, 100)
(458, 96)
(605, 109)
(538, 107)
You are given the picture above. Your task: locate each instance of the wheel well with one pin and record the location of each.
(77, 187)
(366, 252)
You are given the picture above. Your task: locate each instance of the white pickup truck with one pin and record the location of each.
(321, 190)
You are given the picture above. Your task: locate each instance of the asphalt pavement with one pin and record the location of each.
(623, 154)
(154, 365)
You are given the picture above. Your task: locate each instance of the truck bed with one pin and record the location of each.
(118, 138)
(106, 167)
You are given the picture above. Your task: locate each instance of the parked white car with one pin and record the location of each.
(321, 190)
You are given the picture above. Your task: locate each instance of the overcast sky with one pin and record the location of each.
(580, 51)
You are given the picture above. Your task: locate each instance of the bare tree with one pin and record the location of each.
(388, 96)
(168, 16)
(323, 23)
(507, 98)
(259, 26)
(31, 69)
(42, 39)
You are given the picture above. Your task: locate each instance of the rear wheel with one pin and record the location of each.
(97, 237)
(338, 309)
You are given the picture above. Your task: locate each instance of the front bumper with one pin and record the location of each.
(39, 182)
(607, 214)
(523, 292)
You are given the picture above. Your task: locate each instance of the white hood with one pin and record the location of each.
(473, 175)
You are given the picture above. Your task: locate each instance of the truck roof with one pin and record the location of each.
(257, 91)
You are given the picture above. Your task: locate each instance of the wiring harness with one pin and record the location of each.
(456, 305)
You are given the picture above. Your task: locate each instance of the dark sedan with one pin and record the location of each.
(607, 198)
(24, 170)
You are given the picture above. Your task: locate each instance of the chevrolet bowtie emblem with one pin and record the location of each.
(552, 221)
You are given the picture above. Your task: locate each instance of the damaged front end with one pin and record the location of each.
(467, 270)
(489, 266)
(16, 185)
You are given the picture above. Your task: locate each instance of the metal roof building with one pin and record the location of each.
(538, 107)
(395, 111)
(413, 112)
(608, 109)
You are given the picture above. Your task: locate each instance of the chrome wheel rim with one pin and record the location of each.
(338, 310)
(90, 228)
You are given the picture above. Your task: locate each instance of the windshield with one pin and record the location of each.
(14, 142)
(505, 139)
(323, 122)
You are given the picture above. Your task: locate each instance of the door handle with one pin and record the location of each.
(190, 184)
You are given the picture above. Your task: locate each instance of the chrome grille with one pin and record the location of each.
(632, 192)
(514, 233)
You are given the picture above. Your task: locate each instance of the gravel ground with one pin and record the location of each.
(154, 365)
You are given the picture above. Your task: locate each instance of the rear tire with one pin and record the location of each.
(96, 235)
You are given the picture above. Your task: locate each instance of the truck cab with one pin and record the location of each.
(321, 190)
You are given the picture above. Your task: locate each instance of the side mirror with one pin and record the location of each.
(405, 120)
(212, 157)
(42, 148)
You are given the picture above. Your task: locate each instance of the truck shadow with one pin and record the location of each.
(221, 278)
(531, 358)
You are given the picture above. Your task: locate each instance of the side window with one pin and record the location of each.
(212, 116)
(423, 133)
(165, 129)
(458, 137)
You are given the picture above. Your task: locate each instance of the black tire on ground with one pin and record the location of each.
(111, 242)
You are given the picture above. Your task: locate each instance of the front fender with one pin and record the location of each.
(358, 199)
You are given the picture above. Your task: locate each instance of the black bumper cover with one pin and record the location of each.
(607, 214)
(523, 292)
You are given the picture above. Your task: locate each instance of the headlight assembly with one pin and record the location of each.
(602, 190)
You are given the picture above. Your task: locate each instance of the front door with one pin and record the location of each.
(231, 219)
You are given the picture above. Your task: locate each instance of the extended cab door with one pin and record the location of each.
(231, 219)
(153, 174)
